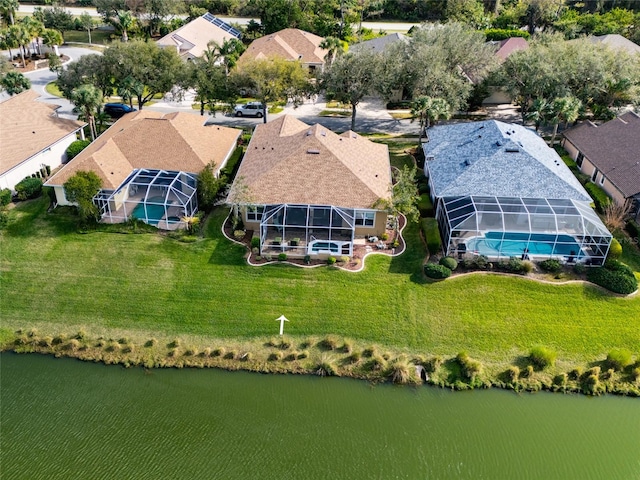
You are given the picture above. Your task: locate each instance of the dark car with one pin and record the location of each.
(117, 110)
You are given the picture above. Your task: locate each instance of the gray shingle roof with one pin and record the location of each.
(496, 158)
(613, 148)
(378, 44)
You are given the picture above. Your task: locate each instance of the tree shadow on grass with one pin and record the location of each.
(31, 219)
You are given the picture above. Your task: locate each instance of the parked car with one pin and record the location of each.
(251, 109)
(117, 110)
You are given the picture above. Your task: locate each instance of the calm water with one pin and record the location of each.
(64, 419)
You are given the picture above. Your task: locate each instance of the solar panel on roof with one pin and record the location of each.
(219, 23)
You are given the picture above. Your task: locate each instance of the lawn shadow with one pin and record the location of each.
(31, 219)
(226, 252)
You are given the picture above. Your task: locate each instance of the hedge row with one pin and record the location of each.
(614, 276)
(497, 34)
(600, 198)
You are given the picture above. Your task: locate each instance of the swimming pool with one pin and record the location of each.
(154, 212)
(513, 244)
(322, 246)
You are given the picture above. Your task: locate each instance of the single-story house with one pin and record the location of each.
(378, 44)
(609, 154)
(504, 48)
(32, 137)
(616, 42)
(191, 40)
(291, 44)
(308, 191)
(500, 191)
(148, 163)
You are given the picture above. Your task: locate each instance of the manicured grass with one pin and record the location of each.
(53, 276)
(52, 89)
(99, 37)
(334, 113)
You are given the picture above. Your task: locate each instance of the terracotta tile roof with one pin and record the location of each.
(192, 39)
(288, 161)
(613, 148)
(28, 127)
(290, 44)
(146, 139)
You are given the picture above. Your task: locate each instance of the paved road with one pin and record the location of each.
(40, 78)
(375, 26)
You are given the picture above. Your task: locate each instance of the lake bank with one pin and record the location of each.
(327, 356)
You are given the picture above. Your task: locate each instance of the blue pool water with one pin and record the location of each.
(514, 244)
(154, 212)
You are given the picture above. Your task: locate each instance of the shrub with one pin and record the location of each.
(635, 374)
(401, 372)
(551, 265)
(275, 356)
(344, 259)
(449, 262)
(5, 197)
(384, 237)
(328, 343)
(230, 355)
(513, 373)
(432, 364)
(614, 276)
(591, 385)
(497, 34)
(282, 257)
(560, 379)
(353, 358)
(255, 250)
(294, 242)
(255, 242)
(529, 371)
(542, 357)
(527, 266)
(469, 368)
(307, 259)
(515, 265)
(29, 188)
(369, 352)
(432, 270)
(218, 352)
(325, 368)
(425, 206)
(431, 235)
(331, 261)
(376, 364)
(575, 374)
(615, 249)
(600, 198)
(347, 347)
(302, 355)
(76, 147)
(618, 358)
(238, 234)
(579, 268)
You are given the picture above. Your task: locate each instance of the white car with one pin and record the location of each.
(251, 109)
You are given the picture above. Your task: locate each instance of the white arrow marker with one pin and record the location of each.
(282, 319)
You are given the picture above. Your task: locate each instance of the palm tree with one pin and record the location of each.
(566, 110)
(34, 28)
(14, 82)
(228, 53)
(8, 8)
(125, 19)
(429, 109)
(87, 100)
(51, 37)
(21, 37)
(539, 112)
(129, 88)
(7, 42)
(334, 47)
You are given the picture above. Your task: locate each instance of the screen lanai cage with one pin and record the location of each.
(535, 228)
(309, 229)
(157, 197)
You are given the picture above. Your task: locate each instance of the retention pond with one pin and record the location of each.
(65, 419)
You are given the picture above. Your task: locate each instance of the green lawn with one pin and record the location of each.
(100, 37)
(146, 282)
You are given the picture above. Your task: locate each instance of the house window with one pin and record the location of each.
(254, 214)
(602, 179)
(594, 175)
(579, 160)
(365, 219)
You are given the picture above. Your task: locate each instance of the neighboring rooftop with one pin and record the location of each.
(616, 42)
(28, 127)
(288, 161)
(378, 44)
(497, 159)
(192, 39)
(290, 44)
(613, 148)
(174, 142)
(507, 46)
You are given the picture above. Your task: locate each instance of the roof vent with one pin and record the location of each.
(308, 132)
(429, 158)
(498, 143)
(323, 133)
(313, 151)
(512, 149)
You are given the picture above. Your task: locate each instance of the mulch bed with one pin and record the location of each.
(31, 63)
(354, 263)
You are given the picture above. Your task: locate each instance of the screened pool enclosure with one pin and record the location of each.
(536, 228)
(157, 197)
(308, 229)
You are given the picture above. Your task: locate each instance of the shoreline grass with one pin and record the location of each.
(59, 281)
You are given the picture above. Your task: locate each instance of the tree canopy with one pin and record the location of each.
(80, 189)
(14, 82)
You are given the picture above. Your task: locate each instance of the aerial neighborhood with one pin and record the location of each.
(482, 166)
